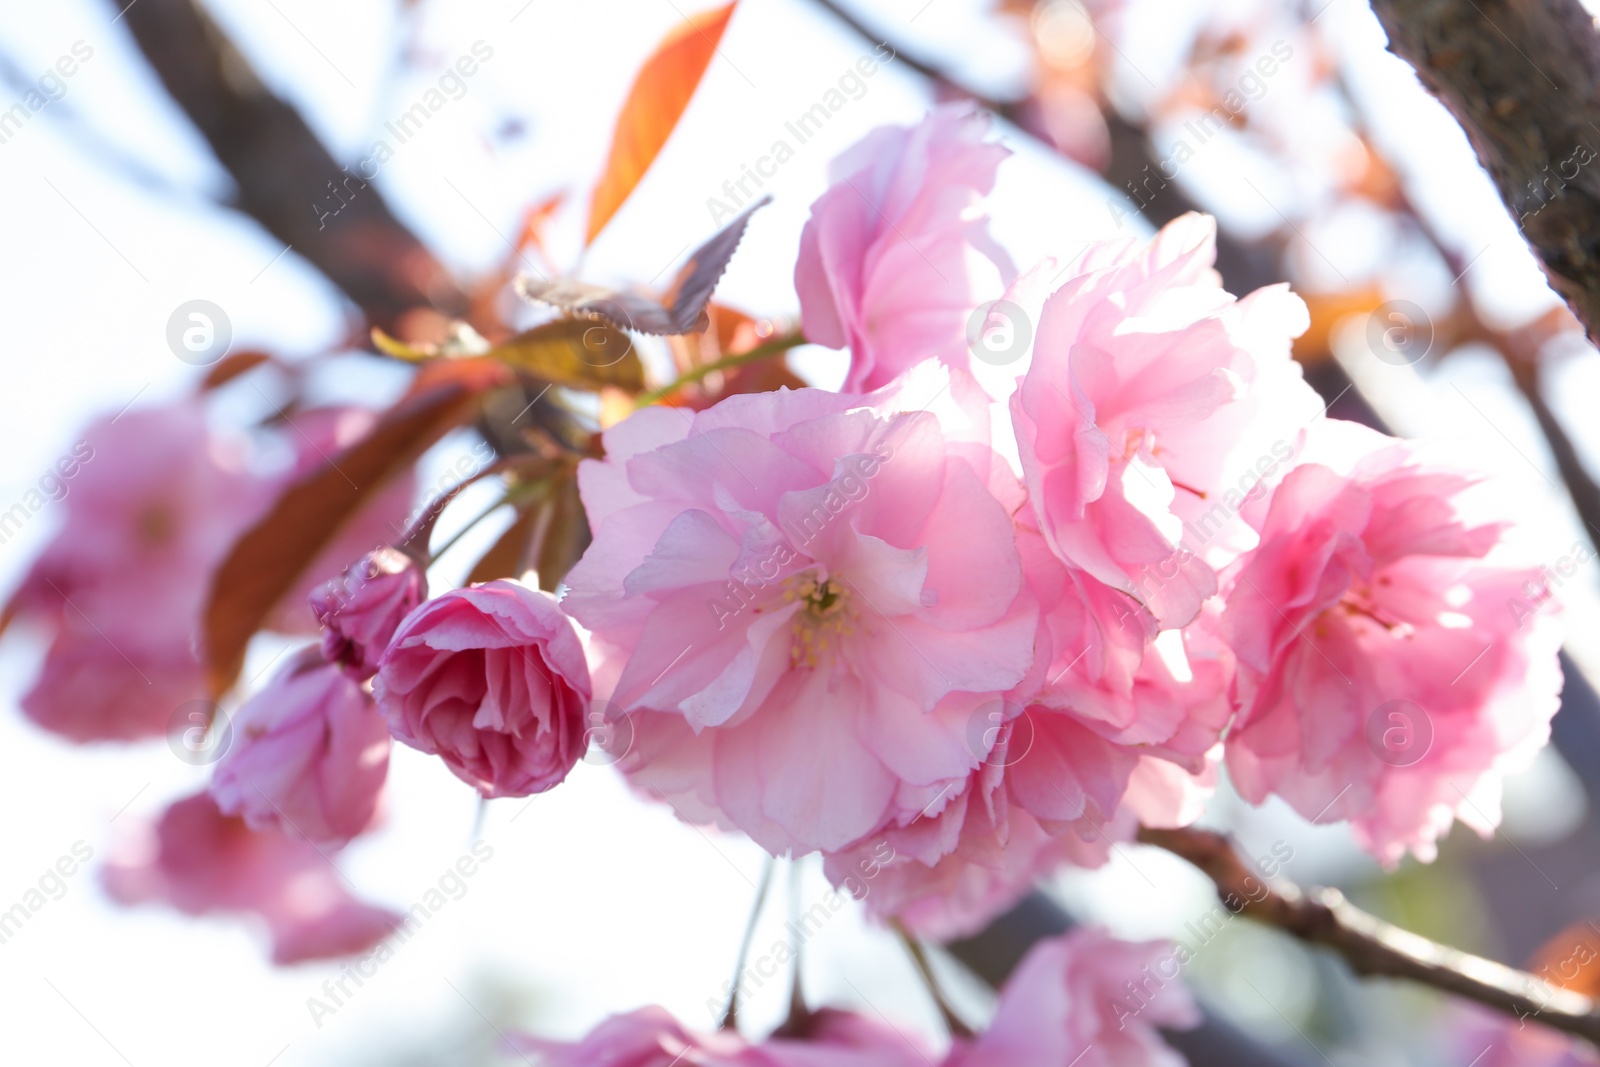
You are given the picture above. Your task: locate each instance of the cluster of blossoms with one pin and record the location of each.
(995, 628)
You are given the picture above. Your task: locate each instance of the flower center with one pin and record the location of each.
(1359, 600)
(826, 614)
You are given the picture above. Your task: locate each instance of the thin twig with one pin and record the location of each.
(730, 1016)
(952, 1021)
(1374, 947)
(765, 350)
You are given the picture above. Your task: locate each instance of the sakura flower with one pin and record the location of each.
(1087, 999)
(89, 690)
(1073, 758)
(947, 871)
(1383, 675)
(154, 506)
(360, 610)
(1149, 387)
(650, 1037)
(1486, 1038)
(198, 860)
(309, 756)
(896, 254)
(801, 598)
(492, 679)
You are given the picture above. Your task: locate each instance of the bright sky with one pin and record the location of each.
(593, 901)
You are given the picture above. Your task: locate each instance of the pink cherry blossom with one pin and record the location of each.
(492, 679)
(317, 436)
(1149, 390)
(651, 1037)
(88, 690)
(309, 755)
(154, 506)
(1089, 1000)
(802, 597)
(360, 610)
(1061, 753)
(1384, 674)
(198, 860)
(1485, 1038)
(896, 255)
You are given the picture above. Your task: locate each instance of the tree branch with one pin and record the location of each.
(282, 171)
(1522, 77)
(1374, 947)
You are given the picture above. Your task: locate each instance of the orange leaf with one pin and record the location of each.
(267, 560)
(655, 103)
(1571, 959)
(1327, 311)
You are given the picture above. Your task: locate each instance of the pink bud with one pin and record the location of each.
(493, 680)
(309, 756)
(360, 610)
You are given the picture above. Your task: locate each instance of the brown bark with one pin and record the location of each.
(282, 170)
(1523, 79)
(1374, 947)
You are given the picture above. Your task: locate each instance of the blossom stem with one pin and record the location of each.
(765, 350)
(730, 1016)
(1372, 946)
(952, 1021)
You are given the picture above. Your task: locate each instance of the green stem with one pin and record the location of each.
(765, 350)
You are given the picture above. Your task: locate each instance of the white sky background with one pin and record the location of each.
(594, 901)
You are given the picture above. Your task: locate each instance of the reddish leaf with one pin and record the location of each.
(231, 366)
(507, 558)
(267, 560)
(562, 536)
(534, 222)
(655, 103)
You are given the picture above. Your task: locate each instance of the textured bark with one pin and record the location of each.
(1374, 947)
(1523, 79)
(282, 170)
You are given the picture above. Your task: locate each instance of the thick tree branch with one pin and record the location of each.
(282, 171)
(1374, 947)
(1523, 79)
